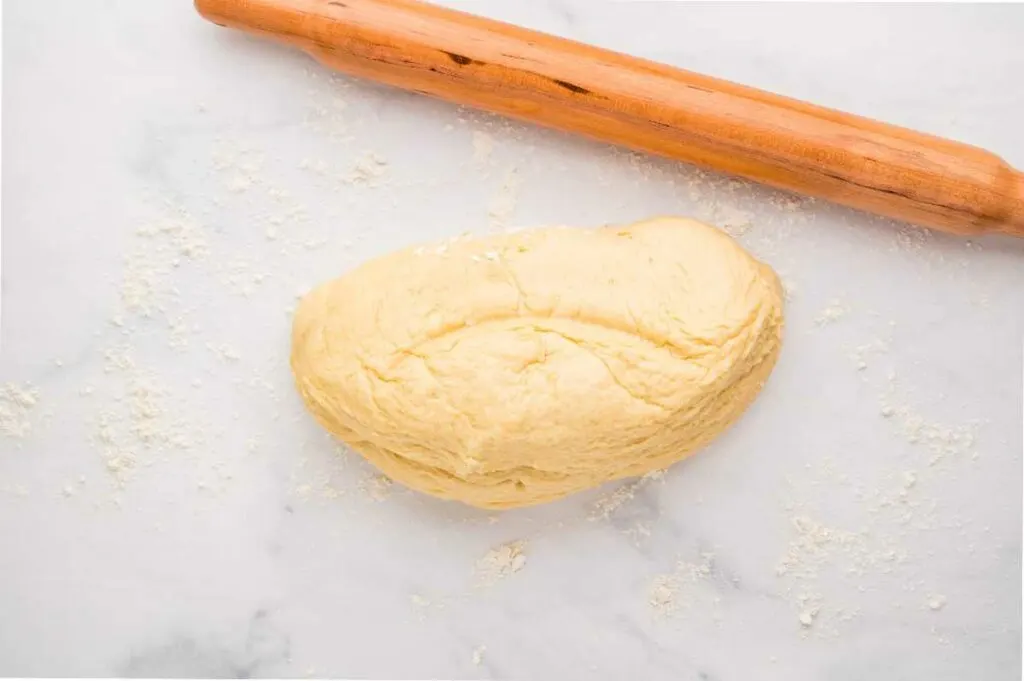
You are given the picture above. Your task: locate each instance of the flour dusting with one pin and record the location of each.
(17, 405)
(501, 562)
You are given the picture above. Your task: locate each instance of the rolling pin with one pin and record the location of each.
(647, 106)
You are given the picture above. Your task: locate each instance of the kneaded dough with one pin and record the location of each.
(515, 369)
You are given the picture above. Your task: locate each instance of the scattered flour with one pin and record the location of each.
(140, 421)
(324, 488)
(483, 146)
(861, 353)
(165, 244)
(368, 170)
(376, 487)
(316, 166)
(224, 352)
(806, 617)
(607, 505)
(183, 234)
(671, 592)
(816, 546)
(662, 594)
(942, 441)
(241, 277)
(17, 406)
(328, 119)
(501, 562)
(789, 286)
(817, 551)
(325, 484)
(422, 606)
(503, 204)
(141, 280)
(16, 490)
(238, 163)
(891, 508)
(734, 221)
(790, 202)
(140, 424)
(178, 331)
(833, 312)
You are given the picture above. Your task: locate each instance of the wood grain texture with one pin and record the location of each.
(711, 123)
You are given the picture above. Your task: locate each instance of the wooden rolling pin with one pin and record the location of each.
(648, 106)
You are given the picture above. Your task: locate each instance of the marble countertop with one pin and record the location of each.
(167, 508)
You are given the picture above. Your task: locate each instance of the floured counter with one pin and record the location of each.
(171, 189)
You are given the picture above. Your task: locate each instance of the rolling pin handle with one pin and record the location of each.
(1015, 219)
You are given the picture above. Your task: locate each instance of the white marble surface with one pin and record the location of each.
(169, 187)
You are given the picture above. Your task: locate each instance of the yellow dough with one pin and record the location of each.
(515, 369)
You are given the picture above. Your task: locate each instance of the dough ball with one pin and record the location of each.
(515, 369)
